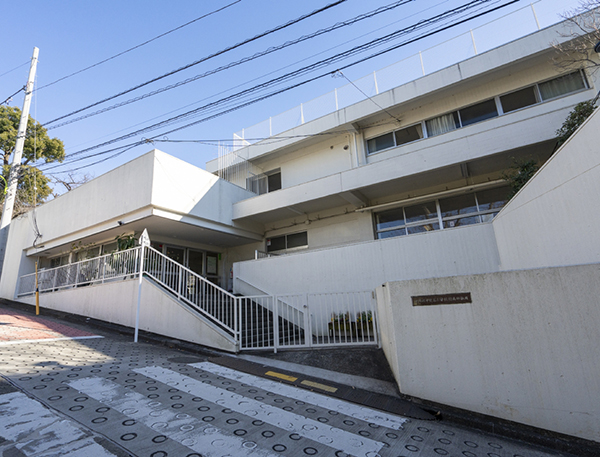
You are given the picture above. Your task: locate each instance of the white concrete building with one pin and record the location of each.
(406, 185)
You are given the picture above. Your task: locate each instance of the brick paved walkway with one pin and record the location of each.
(16, 326)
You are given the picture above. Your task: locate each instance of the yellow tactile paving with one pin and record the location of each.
(318, 385)
(281, 376)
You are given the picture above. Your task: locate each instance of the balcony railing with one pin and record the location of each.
(493, 34)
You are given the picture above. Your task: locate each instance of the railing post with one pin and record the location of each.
(307, 323)
(473, 40)
(337, 106)
(275, 323)
(236, 330)
(375, 79)
(535, 16)
(77, 274)
(137, 314)
(144, 241)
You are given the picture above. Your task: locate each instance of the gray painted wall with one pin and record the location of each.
(526, 349)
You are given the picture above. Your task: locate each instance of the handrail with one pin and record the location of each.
(190, 272)
(107, 267)
(262, 292)
(210, 300)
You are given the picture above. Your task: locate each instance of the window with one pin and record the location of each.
(442, 124)
(482, 111)
(264, 183)
(543, 91)
(562, 85)
(408, 220)
(59, 261)
(462, 117)
(455, 211)
(291, 241)
(395, 138)
(409, 134)
(381, 142)
(478, 113)
(519, 99)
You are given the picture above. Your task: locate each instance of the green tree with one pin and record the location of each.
(34, 186)
(519, 173)
(575, 118)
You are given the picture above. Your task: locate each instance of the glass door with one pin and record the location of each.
(196, 261)
(212, 267)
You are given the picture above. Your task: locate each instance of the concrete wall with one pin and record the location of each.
(554, 219)
(185, 189)
(116, 302)
(512, 61)
(511, 131)
(16, 262)
(364, 266)
(526, 349)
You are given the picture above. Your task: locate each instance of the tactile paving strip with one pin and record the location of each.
(141, 385)
(370, 399)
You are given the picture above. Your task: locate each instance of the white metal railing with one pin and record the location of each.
(263, 255)
(308, 320)
(214, 303)
(110, 267)
(255, 322)
(488, 36)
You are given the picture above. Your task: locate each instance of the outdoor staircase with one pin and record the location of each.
(257, 329)
(249, 322)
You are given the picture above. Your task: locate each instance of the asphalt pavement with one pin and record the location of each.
(71, 389)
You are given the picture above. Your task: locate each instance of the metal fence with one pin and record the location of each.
(308, 320)
(259, 322)
(110, 267)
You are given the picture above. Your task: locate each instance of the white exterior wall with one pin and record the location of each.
(183, 189)
(299, 166)
(366, 265)
(339, 226)
(116, 302)
(525, 349)
(20, 235)
(528, 126)
(554, 219)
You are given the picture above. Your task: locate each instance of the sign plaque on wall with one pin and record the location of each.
(444, 299)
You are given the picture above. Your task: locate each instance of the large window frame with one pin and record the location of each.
(499, 105)
(264, 183)
(405, 220)
(288, 242)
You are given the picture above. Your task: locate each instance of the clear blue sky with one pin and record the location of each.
(73, 34)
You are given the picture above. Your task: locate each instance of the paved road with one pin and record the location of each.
(68, 391)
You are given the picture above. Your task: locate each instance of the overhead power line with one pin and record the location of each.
(315, 66)
(16, 68)
(9, 98)
(204, 59)
(239, 62)
(462, 9)
(139, 45)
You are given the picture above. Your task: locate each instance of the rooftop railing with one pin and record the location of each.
(491, 35)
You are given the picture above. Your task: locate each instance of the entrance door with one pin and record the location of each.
(196, 261)
(212, 267)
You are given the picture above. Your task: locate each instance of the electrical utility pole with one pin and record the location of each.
(13, 177)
